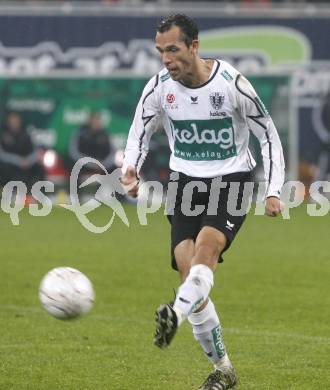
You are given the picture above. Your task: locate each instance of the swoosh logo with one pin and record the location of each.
(106, 194)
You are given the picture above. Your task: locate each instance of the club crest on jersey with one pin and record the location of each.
(217, 100)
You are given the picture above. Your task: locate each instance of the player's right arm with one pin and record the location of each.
(261, 124)
(145, 123)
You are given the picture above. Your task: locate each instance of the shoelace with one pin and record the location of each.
(216, 377)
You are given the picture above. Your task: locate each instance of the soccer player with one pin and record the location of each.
(207, 109)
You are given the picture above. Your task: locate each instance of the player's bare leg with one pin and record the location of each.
(204, 319)
(166, 318)
(184, 253)
(194, 291)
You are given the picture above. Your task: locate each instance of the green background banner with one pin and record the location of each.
(53, 108)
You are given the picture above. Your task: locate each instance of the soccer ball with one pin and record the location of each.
(66, 293)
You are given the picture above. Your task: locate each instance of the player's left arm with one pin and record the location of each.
(262, 126)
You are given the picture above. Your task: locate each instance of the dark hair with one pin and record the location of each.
(187, 26)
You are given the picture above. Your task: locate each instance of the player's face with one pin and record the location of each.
(174, 53)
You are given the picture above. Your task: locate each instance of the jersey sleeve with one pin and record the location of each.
(145, 123)
(261, 124)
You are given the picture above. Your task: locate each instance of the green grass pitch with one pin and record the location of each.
(272, 293)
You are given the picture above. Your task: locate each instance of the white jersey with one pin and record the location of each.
(207, 126)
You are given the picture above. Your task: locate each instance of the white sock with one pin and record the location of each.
(224, 362)
(193, 291)
(207, 331)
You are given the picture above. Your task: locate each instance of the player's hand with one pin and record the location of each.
(274, 206)
(130, 182)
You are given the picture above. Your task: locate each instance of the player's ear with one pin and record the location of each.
(195, 46)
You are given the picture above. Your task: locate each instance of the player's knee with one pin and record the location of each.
(201, 276)
(206, 251)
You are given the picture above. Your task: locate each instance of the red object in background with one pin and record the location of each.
(54, 166)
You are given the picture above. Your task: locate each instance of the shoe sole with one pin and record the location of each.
(165, 327)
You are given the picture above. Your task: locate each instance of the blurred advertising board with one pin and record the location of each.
(99, 45)
(52, 108)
